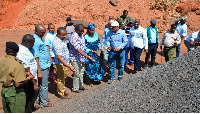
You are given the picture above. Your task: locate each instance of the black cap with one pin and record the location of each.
(68, 18)
(173, 26)
(125, 11)
(12, 45)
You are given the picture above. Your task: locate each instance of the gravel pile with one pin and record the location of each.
(170, 87)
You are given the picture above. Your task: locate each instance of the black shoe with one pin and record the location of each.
(83, 89)
(76, 91)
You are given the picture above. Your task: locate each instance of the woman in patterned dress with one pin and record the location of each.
(92, 43)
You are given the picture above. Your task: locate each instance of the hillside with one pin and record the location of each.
(25, 14)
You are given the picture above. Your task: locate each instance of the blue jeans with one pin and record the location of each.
(120, 56)
(178, 49)
(42, 97)
(152, 50)
(105, 59)
(137, 62)
(131, 56)
(189, 47)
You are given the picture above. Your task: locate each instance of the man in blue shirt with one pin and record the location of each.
(42, 57)
(152, 34)
(182, 30)
(116, 42)
(104, 48)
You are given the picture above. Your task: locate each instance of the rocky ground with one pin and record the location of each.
(172, 87)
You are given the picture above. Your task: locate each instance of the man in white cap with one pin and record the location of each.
(116, 42)
(182, 30)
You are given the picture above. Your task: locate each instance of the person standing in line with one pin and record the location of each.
(152, 34)
(192, 41)
(70, 27)
(78, 57)
(42, 57)
(116, 42)
(92, 43)
(138, 41)
(170, 40)
(13, 77)
(106, 53)
(127, 29)
(123, 19)
(61, 61)
(28, 60)
(48, 39)
(182, 30)
(110, 18)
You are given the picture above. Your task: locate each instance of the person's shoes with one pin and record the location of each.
(152, 65)
(119, 78)
(83, 89)
(76, 91)
(111, 81)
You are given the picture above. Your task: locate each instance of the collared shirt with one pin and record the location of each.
(153, 34)
(77, 42)
(70, 29)
(169, 38)
(181, 29)
(40, 51)
(103, 41)
(115, 40)
(11, 70)
(194, 37)
(27, 58)
(138, 38)
(60, 48)
(48, 39)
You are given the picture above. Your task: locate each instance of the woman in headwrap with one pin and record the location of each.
(92, 43)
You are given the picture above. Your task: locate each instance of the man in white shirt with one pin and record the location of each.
(28, 60)
(138, 41)
(191, 42)
(170, 40)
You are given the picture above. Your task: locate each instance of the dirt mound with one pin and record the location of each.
(172, 87)
(23, 14)
(186, 7)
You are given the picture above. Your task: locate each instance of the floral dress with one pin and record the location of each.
(93, 69)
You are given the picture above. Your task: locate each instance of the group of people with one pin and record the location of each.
(26, 67)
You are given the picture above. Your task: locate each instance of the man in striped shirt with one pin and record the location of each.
(127, 28)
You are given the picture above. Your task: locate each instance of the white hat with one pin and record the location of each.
(115, 23)
(111, 21)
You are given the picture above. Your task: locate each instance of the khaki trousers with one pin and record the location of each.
(61, 76)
